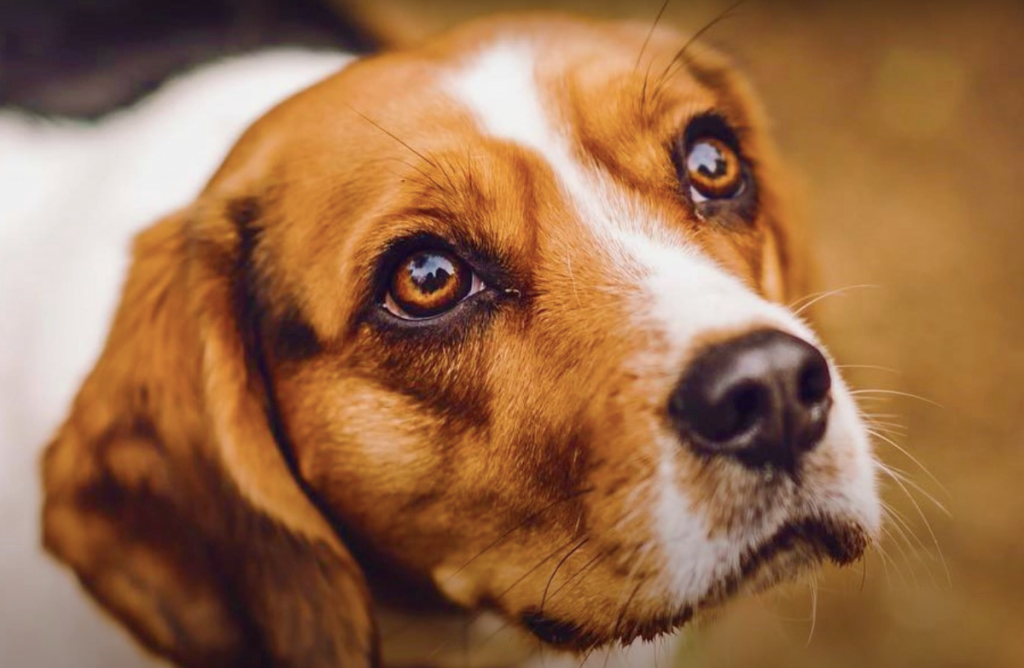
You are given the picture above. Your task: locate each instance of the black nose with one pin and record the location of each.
(762, 398)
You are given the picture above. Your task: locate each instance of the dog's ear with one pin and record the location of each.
(168, 489)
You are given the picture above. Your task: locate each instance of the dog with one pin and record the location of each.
(488, 335)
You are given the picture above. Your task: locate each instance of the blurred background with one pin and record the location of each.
(905, 122)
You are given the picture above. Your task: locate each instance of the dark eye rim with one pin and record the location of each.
(743, 202)
(417, 312)
(397, 250)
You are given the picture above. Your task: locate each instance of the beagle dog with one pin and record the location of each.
(491, 331)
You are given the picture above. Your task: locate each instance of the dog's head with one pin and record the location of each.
(500, 316)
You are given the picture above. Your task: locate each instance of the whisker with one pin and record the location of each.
(430, 179)
(905, 477)
(639, 58)
(906, 558)
(884, 416)
(896, 478)
(897, 393)
(650, 34)
(530, 518)
(887, 426)
(900, 522)
(905, 532)
(391, 134)
(882, 437)
(593, 563)
(505, 625)
(587, 656)
(534, 568)
(451, 187)
(504, 593)
(883, 554)
(405, 628)
(678, 58)
(625, 608)
(554, 572)
(873, 367)
(814, 608)
(811, 300)
(607, 657)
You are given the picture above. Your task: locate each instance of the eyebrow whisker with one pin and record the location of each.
(643, 49)
(432, 162)
(679, 58)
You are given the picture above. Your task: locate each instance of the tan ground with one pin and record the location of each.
(907, 122)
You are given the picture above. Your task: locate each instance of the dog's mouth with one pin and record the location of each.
(794, 548)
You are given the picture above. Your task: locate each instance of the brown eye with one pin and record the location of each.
(427, 283)
(713, 170)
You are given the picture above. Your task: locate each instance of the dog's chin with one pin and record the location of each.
(795, 549)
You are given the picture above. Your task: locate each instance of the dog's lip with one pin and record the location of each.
(840, 542)
(810, 541)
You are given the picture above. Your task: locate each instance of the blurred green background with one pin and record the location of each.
(905, 121)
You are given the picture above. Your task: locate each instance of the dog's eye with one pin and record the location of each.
(713, 170)
(428, 283)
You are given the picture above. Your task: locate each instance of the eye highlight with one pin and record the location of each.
(428, 283)
(713, 170)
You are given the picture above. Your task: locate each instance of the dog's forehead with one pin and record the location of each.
(600, 92)
(586, 77)
(578, 113)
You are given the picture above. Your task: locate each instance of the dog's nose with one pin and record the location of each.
(762, 398)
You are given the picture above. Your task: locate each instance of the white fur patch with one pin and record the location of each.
(499, 86)
(71, 197)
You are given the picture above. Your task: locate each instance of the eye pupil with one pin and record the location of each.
(427, 283)
(431, 272)
(707, 160)
(713, 169)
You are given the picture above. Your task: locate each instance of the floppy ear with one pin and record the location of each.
(167, 489)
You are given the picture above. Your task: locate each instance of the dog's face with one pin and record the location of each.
(510, 259)
(517, 303)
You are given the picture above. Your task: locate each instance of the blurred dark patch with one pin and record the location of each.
(85, 58)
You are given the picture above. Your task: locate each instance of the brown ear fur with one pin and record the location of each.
(167, 491)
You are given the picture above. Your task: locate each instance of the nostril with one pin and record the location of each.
(727, 416)
(741, 409)
(722, 407)
(814, 381)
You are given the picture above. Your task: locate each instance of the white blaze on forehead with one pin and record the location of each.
(499, 85)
